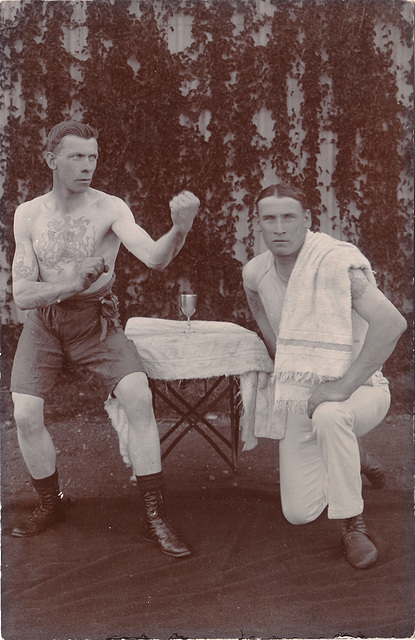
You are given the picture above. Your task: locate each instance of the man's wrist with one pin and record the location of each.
(181, 227)
(348, 386)
(179, 232)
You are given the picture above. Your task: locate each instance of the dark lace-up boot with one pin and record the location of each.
(157, 529)
(49, 512)
(360, 550)
(371, 468)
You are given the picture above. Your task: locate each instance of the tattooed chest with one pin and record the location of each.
(65, 241)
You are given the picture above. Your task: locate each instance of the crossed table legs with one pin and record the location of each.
(195, 416)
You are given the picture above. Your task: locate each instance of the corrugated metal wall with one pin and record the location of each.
(179, 38)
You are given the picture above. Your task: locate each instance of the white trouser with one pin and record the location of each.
(319, 458)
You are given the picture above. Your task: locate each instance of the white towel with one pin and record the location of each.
(315, 341)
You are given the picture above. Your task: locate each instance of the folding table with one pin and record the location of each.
(228, 357)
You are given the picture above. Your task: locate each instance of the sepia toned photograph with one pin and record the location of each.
(206, 265)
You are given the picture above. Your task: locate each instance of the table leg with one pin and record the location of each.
(194, 415)
(235, 421)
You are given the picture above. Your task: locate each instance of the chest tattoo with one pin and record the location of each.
(65, 241)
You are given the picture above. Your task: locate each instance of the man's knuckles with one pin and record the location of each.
(184, 200)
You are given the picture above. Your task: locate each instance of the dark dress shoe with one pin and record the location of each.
(361, 553)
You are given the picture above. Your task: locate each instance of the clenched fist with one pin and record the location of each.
(184, 208)
(88, 271)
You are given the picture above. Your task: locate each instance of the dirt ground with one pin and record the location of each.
(252, 573)
(87, 445)
(90, 463)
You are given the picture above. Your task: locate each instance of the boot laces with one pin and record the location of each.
(354, 524)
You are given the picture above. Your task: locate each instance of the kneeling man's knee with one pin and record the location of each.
(302, 511)
(299, 516)
(329, 415)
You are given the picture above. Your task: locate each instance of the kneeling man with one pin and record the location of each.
(329, 330)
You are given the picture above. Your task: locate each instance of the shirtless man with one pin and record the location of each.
(330, 330)
(67, 242)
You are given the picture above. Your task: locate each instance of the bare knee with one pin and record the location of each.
(28, 413)
(134, 393)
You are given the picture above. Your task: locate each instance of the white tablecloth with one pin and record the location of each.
(214, 349)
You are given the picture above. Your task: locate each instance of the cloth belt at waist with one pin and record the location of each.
(108, 301)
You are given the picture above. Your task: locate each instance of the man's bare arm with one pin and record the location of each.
(261, 318)
(157, 254)
(386, 325)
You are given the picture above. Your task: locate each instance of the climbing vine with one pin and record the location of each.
(188, 120)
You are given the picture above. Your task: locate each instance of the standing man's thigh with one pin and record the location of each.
(114, 359)
(38, 359)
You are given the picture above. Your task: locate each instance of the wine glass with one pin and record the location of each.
(188, 306)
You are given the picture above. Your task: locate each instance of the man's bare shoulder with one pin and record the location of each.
(113, 205)
(106, 199)
(359, 283)
(28, 213)
(31, 206)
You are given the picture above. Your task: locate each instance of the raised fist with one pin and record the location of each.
(184, 208)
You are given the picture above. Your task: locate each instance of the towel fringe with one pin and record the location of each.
(294, 406)
(301, 377)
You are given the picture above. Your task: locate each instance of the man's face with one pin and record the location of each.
(74, 162)
(284, 225)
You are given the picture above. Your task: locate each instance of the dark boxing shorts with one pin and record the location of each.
(71, 331)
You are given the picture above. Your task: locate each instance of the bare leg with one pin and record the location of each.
(34, 440)
(143, 438)
(144, 450)
(40, 457)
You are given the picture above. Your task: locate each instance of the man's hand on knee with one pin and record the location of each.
(326, 392)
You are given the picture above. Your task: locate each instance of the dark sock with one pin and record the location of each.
(151, 482)
(45, 482)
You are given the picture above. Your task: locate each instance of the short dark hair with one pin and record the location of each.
(283, 190)
(70, 128)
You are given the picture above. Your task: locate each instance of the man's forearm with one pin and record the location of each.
(32, 295)
(166, 248)
(270, 342)
(385, 328)
(261, 318)
(267, 332)
(376, 350)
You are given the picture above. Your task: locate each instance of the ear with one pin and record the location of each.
(257, 224)
(50, 160)
(307, 218)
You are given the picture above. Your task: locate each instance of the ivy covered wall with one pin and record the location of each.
(219, 97)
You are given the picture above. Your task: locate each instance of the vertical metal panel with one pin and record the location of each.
(179, 38)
